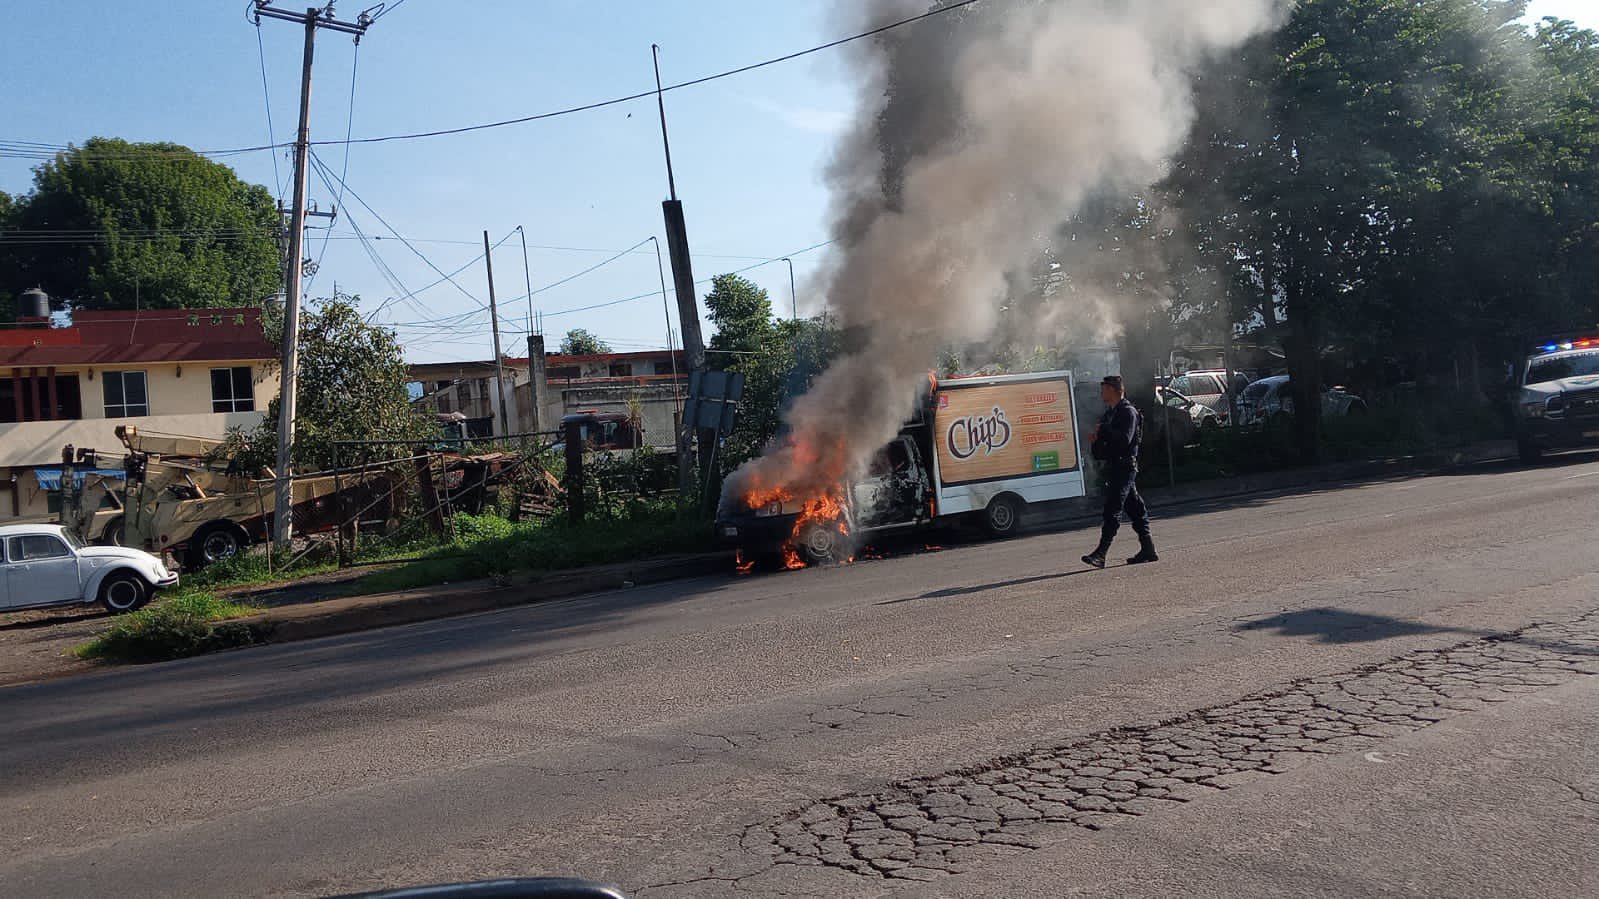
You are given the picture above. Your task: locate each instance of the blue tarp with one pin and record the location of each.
(50, 478)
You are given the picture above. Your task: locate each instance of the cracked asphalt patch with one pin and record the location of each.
(948, 823)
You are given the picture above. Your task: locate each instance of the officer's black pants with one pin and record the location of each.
(1121, 495)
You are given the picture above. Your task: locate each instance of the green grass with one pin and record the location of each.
(489, 546)
(186, 622)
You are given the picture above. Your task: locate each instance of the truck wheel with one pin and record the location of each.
(212, 544)
(123, 591)
(1003, 517)
(820, 544)
(1530, 452)
(115, 533)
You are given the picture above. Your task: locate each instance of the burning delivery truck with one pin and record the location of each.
(975, 448)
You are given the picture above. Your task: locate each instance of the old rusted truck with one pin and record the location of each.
(179, 496)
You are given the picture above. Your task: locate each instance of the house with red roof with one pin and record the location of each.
(194, 372)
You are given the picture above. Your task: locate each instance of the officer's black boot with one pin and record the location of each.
(1146, 551)
(1097, 557)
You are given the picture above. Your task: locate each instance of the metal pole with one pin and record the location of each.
(793, 295)
(660, 101)
(527, 275)
(499, 358)
(283, 498)
(666, 306)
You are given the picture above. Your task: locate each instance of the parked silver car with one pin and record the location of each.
(1208, 387)
(1270, 397)
(47, 565)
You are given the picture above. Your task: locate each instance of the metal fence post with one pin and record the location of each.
(573, 437)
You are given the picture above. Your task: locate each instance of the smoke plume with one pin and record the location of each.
(980, 131)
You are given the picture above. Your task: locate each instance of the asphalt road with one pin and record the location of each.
(1383, 689)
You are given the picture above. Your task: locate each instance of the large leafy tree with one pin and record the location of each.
(778, 368)
(579, 342)
(112, 224)
(352, 386)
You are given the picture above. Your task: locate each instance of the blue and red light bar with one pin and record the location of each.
(1584, 343)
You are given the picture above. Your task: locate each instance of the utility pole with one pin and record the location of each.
(535, 348)
(283, 496)
(688, 310)
(499, 357)
(688, 307)
(793, 295)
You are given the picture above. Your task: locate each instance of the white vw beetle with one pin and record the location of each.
(47, 565)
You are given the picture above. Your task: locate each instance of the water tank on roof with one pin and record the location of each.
(33, 303)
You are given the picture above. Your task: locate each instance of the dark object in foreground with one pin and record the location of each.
(517, 888)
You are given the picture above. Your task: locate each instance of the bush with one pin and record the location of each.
(184, 624)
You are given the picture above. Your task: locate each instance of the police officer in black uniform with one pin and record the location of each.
(1117, 440)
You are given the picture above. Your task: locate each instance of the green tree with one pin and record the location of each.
(579, 342)
(351, 387)
(779, 368)
(154, 224)
(742, 314)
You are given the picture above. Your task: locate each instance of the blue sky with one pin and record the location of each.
(749, 150)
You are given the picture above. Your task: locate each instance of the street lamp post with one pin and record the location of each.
(793, 295)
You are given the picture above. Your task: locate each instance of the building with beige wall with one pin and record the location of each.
(171, 371)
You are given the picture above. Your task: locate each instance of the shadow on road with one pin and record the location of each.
(949, 592)
(30, 621)
(1342, 626)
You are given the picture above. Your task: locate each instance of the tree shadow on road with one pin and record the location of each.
(1338, 626)
(1341, 626)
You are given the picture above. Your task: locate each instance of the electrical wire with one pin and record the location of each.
(316, 160)
(671, 290)
(344, 170)
(266, 92)
(571, 110)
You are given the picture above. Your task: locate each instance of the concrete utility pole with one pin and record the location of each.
(499, 357)
(688, 308)
(283, 496)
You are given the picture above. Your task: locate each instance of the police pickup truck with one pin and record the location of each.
(1558, 407)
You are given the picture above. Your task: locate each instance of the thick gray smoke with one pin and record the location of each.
(980, 132)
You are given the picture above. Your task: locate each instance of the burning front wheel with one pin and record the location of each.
(820, 543)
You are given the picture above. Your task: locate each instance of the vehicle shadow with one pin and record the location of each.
(53, 618)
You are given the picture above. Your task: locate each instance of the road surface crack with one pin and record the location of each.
(946, 823)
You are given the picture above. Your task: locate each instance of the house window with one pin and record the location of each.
(125, 395)
(232, 390)
(564, 373)
(31, 398)
(621, 369)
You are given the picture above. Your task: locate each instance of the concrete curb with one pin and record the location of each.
(328, 618)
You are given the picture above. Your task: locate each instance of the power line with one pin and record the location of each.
(266, 92)
(702, 281)
(316, 160)
(344, 171)
(587, 107)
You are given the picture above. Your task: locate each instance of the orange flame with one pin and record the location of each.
(743, 565)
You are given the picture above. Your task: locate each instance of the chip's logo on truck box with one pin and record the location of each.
(987, 432)
(970, 432)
